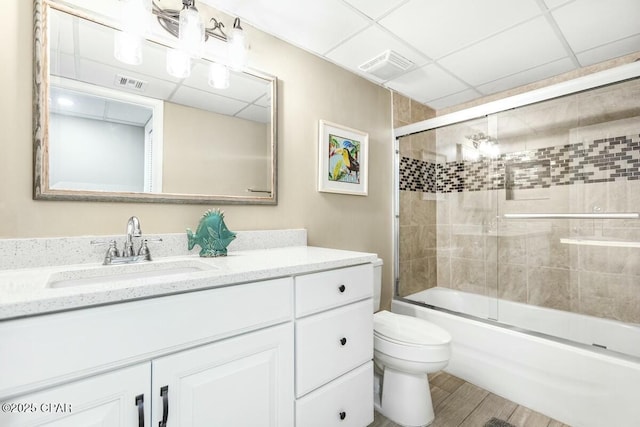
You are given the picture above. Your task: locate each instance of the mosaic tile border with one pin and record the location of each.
(601, 160)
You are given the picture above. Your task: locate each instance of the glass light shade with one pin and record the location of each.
(178, 63)
(191, 32)
(237, 49)
(218, 76)
(127, 48)
(136, 16)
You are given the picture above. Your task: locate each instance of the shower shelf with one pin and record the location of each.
(594, 241)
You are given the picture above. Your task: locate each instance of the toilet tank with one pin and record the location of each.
(377, 283)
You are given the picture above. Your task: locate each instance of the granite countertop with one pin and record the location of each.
(25, 291)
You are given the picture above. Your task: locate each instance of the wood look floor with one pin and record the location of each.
(458, 403)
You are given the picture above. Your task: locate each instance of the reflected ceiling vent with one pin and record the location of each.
(130, 83)
(387, 65)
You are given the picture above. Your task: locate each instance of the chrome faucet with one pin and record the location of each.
(133, 230)
(128, 255)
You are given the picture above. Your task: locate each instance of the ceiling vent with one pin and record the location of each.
(387, 65)
(130, 83)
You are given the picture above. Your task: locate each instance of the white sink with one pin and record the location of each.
(115, 273)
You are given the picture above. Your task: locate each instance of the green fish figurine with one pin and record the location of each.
(212, 234)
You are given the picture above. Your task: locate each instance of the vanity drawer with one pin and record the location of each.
(332, 343)
(321, 291)
(345, 402)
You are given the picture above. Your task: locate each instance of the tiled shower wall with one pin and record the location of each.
(574, 154)
(418, 260)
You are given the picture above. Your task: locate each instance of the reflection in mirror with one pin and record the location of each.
(122, 139)
(105, 130)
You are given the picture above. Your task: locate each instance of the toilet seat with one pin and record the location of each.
(410, 339)
(408, 330)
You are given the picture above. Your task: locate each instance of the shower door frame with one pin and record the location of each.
(569, 87)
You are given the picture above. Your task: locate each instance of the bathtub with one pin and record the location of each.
(556, 370)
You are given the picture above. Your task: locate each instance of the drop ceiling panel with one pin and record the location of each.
(600, 22)
(507, 53)
(369, 44)
(241, 87)
(374, 9)
(105, 76)
(441, 27)
(96, 43)
(456, 98)
(207, 101)
(555, 3)
(426, 83)
(531, 75)
(610, 50)
(313, 25)
(255, 114)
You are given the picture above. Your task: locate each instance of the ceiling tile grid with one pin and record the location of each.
(461, 49)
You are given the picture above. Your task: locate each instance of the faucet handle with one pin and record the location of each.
(144, 249)
(112, 252)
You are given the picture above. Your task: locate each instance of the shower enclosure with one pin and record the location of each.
(525, 210)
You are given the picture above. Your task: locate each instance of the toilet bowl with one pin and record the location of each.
(406, 349)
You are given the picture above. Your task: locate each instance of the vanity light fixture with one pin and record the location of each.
(189, 28)
(134, 15)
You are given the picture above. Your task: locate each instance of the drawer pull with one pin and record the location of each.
(342, 288)
(343, 415)
(343, 341)
(164, 393)
(140, 406)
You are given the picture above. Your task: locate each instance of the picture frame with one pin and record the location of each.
(343, 157)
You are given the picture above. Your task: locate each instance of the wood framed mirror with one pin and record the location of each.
(109, 131)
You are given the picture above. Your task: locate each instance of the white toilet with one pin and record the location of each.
(406, 349)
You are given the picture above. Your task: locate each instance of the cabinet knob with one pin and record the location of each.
(342, 288)
(343, 415)
(343, 341)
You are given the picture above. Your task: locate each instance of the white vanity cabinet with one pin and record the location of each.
(334, 347)
(200, 358)
(274, 352)
(120, 398)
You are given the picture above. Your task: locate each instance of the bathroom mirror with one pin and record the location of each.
(109, 131)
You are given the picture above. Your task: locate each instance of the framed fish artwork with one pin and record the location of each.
(342, 159)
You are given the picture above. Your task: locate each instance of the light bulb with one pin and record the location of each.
(237, 48)
(191, 32)
(218, 76)
(127, 48)
(135, 20)
(178, 63)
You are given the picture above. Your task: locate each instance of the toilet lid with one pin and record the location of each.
(408, 329)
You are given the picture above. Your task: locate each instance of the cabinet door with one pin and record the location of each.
(245, 381)
(120, 398)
